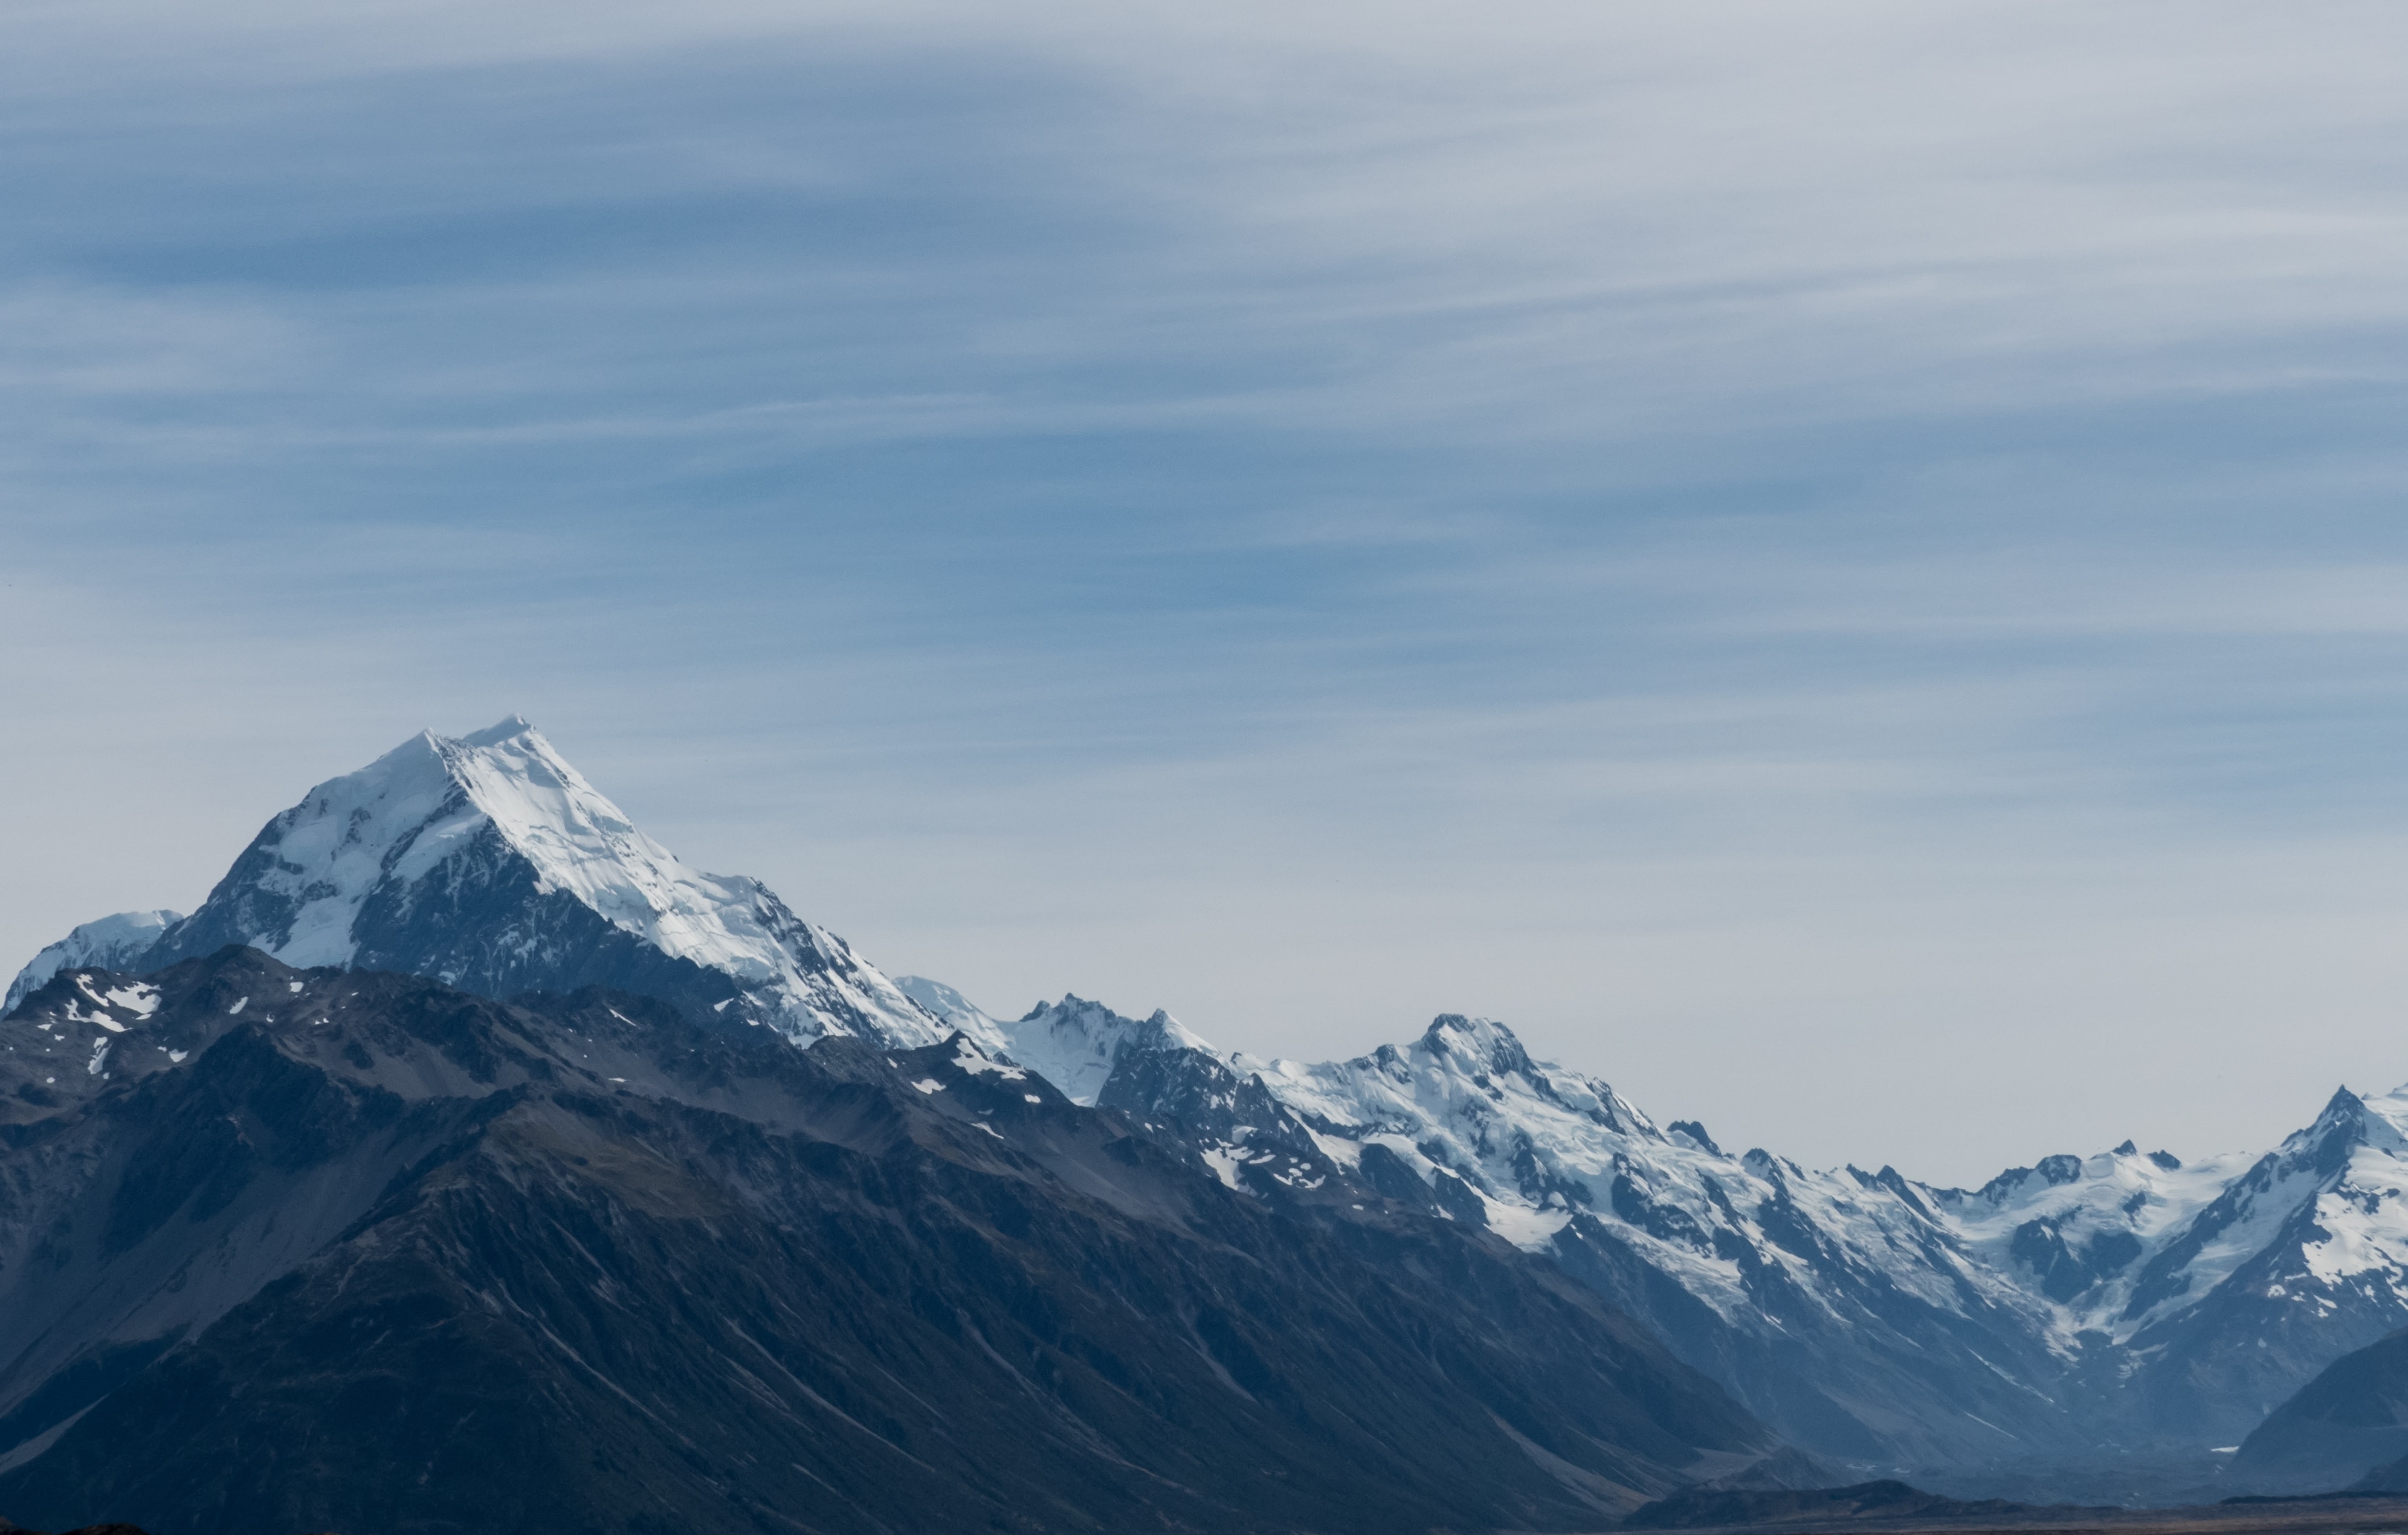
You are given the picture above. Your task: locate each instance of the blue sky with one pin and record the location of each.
(1839, 566)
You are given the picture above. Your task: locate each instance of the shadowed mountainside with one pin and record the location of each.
(285, 1250)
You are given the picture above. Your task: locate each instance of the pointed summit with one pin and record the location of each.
(2326, 1145)
(487, 862)
(1075, 1043)
(1483, 1043)
(493, 735)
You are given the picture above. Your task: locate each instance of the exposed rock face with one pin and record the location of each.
(336, 1249)
(2125, 1300)
(488, 862)
(2117, 1304)
(1841, 1309)
(2347, 1427)
(110, 943)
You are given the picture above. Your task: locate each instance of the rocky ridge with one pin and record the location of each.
(1870, 1318)
(489, 862)
(339, 1249)
(2126, 1298)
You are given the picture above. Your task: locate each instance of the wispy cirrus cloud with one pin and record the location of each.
(1865, 533)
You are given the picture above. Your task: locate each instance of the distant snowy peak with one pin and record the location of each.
(104, 944)
(2246, 1274)
(1075, 1044)
(486, 861)
(1471, 1070)
(2125, 1241)
(952, 1010)
(1541, 1146)
(431, 800)
(2320, 1223)
(2080, 1231)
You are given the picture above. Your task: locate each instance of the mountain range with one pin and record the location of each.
(2126, 1302)
(328, 1249)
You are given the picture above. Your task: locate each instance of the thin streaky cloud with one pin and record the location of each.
(1859, 534)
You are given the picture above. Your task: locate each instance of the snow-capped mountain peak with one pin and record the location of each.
(581, 843)
(1480, 1044)
(105, 943)
(1460, 1080)
(1075, 1043)
(487, 861)
(509, 728)
(1870, 1317)
(2079, 1284)
(2326, 1209)
(1745, 1264)
(405, 814)
(2080, 1230)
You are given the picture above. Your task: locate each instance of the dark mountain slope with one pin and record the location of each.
(1855, 1367)
(393, 1257)
(2318, 1287)
(2100, 1311)
(2352, 1417)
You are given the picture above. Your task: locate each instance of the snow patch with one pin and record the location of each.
(135, 997)
(967, 1057)
(1225, 1162)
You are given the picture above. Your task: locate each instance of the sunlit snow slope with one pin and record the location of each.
(2126, 1298)
(104, 944)
(488, 862)
(2123, 1298)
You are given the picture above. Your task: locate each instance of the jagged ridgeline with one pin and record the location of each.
(490, 864)
(2125, 1303)
(2122, 1304)
(316, 1249)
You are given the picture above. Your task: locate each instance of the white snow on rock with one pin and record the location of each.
(1075, 1043)
(2119, 1205)
(970, 1058)
(2124, 1245)
(1540, 1145)
(135, 997)
(102, 945)
(950, 1008)
(2119, 1243)
(2317, 1226)
(2364, 1211)
(410, 821)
